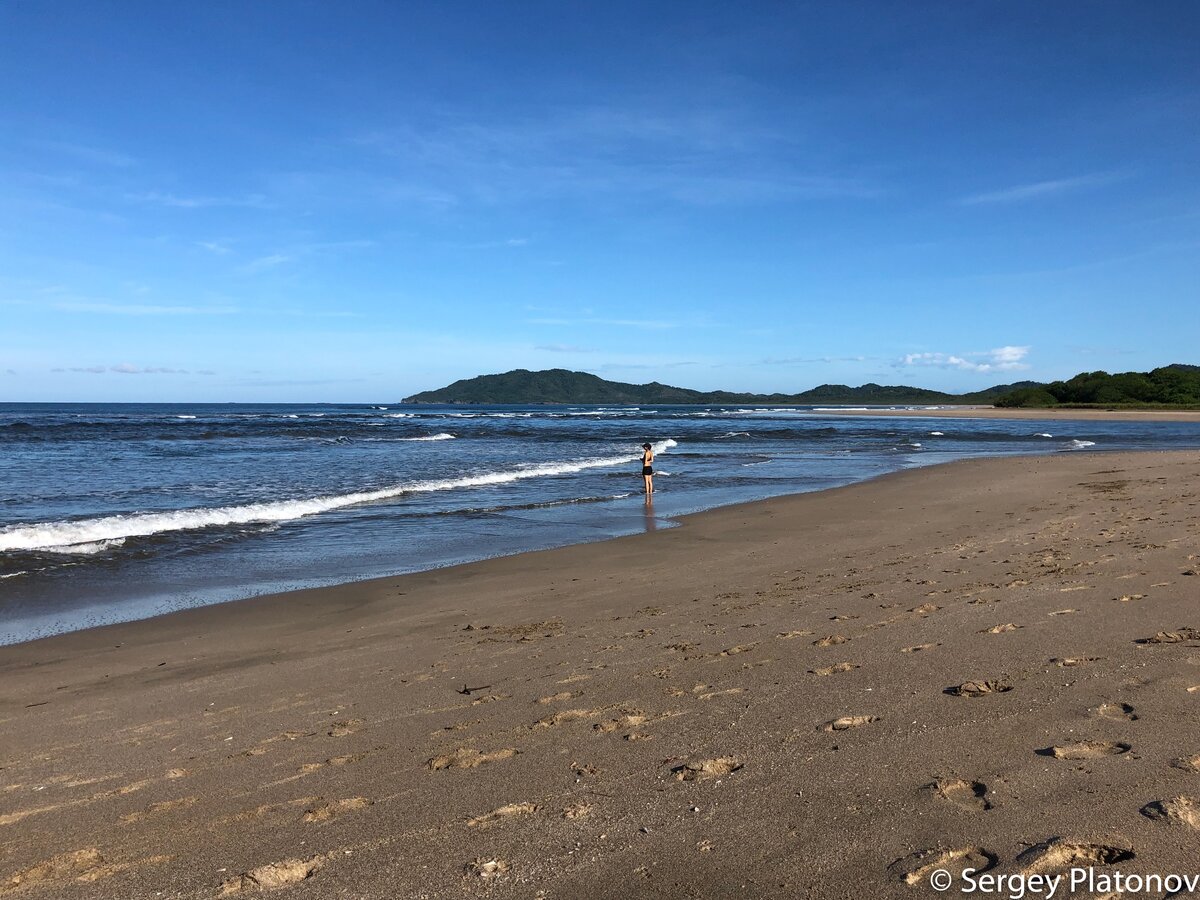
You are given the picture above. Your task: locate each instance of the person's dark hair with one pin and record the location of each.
(645, 446)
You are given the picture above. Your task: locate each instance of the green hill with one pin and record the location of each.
(522, 386)
(1176, 385)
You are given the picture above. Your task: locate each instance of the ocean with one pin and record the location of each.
(117, 512)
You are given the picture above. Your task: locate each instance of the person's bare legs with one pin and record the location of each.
(649, 479)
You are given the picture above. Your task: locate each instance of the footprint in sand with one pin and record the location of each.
(468, 758)
(486, 868)
(57, 869)
(1086, 750)
(1188, 763)
(155, 808)
(567, 715)
(1172, 637)
(560, 696)
(345, 727)
(1176, 811)
(1117, 711)
(1068, 662)
(326, 810)
(830, 640)
(1060, 854)
(835, 669)
(273, 876)
(919, 648)
(968, 794)
(628, 720)
(785, 635)
(578, 810)
(707, 769)
(916, 867)
(1001, 629)
(503, 813)
(571, 679)
(978, 688)
(845, 723)
(734, 651)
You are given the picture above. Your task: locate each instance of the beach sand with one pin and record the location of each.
(991, 663)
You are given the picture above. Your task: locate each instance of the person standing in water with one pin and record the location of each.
(648, 468)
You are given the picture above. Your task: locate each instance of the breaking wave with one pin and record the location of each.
(89, 536)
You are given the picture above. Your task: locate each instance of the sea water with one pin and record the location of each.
(116, 512)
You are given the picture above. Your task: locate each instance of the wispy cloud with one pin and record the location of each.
(214, 247)
(1040, 189)
(614, 323)
(159, 198)
(701, 157)
(295, 252)
(293, 382)
(140, 309)
(264, 262)
(1001, 359)
(807, 360)
(88, 154)
(564, 348)
(129, 369)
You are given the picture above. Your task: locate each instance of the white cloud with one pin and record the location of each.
(256, 201)
(563, 348)
(130, 369)
(140, 309)
(126, 369)
(615, 323)
(804, 360)
(96, 155)
(1040, 189)
(265, 262)
(1001, 359)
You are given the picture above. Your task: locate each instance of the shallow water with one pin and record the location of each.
(116, 512)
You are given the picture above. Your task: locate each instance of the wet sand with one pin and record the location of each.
(990, 664)
(995, 412)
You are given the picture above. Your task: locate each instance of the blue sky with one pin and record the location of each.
(320, 202)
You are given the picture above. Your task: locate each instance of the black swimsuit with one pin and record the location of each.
(646, 469)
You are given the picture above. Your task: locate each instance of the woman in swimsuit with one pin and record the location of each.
(647, 468)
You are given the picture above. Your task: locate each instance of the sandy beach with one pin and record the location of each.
(996, 412)
(991, 664)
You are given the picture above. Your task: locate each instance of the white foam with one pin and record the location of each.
(733, 434)
(840, 409)
(444, 436)
(1043, 434)
(399, 415)
(13, 574)
(86, 549)
(185, 417)
(1079, 445)
(58, 536)
(936, 434)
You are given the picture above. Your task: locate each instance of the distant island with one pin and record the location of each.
(1176, 385)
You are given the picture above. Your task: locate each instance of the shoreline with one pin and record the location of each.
(995, 412)
(753, 704)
